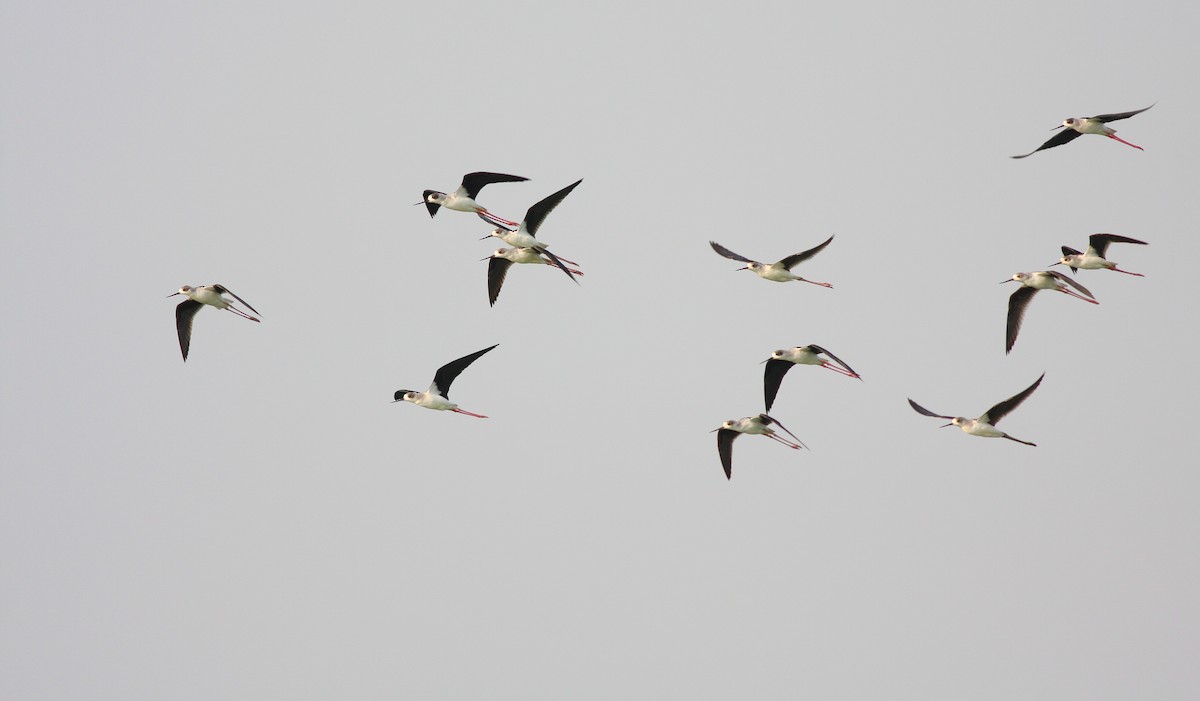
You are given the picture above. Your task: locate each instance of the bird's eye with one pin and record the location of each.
(1070, 121)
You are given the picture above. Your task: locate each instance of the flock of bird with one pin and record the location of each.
(526, 248)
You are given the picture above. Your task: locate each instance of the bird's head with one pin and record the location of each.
(432, 199)
(182, 291)
(404, 395)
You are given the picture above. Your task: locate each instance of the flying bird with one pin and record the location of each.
(985, 425)
(779, 271)
(503, 258)
(1077, 126)
(463, 199)
(757, 425)
(1030, 284)
(438, 394)
(783, 360)
(1094, 258)
(197, 297)
(524, 236)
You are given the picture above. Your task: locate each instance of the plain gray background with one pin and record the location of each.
(262, 523)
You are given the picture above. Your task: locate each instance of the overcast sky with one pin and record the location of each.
(262, 522)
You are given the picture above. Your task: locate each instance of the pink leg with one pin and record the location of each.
(1125, 271)
(1117, 138)
(788, 443)
(822, 284)
(839, 370)
(489, 217)
(573, 270)
(1079, 296)
(241, 313)
(464, 411)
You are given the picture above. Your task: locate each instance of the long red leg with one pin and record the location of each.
(1079, 296)
(492, 218)
(241, 313)
(840, 370)
(464, 411)
(1126, 271)
(783, 441)
(822, 284)
(1117, 138)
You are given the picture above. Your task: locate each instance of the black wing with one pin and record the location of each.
(1016, 312)
(1120, 115)
(554, 259)
(725, 438)
(184, 313)
(1001, 410)
(768, 420)
(922, 410)
(1099, 242)
(474, 182)
(792, 261)
(728, 253)
(1070, 282)
(225, 290)
(817, 349)
(1068, 251)
(773, 377)
(1058, 139)
(497, 269)
(433, 207)
(538, 212)
(446, 374)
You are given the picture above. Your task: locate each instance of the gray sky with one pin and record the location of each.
(262, 523)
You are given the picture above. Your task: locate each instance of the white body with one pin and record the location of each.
(750, 425)
(1040, 280)
(458, 200)
(799, 355)
(1086, 125)
(205, 294)
(518, 239)
(430, 400)
(520, 255)
(773, 272)
(1088, 260)
(977, 427)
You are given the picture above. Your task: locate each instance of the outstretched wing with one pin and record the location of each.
(472, 183)
(773, 377)
(1120, 115)
(993, 415)
(794, 260)
(817, 349)
(922, 410)
(538, 212)
(721, 250)
(1058, 139)
(446, 374)
(1017, 303)
(497, 269)
(725, 437)
(225, 290)
(1099, 242)
(184, 313)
